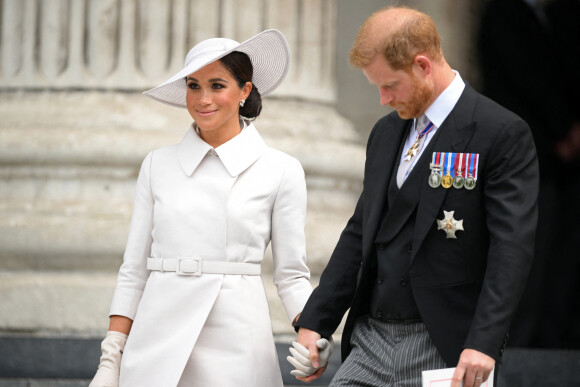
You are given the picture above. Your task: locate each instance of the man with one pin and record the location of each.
(434, 260)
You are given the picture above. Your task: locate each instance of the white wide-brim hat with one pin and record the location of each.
(268, 51)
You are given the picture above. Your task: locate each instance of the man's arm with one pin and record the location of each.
(511, 184)
(331, 299)
(511, 190)
(333, 296)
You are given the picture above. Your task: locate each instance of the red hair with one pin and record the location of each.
(399, 34)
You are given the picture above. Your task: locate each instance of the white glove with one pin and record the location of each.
(109, 367)
(300, 358)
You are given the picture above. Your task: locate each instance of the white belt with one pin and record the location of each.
(197, 267)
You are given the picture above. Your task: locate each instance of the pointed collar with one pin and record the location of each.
(236, 155)
(445, 102)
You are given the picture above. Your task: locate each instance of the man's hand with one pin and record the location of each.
(473, 369)
(309, 339)
(300, 358)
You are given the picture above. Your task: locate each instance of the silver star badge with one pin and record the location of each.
(449, 224)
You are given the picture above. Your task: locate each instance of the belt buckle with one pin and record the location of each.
(195, 273)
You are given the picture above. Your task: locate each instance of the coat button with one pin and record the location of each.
(381, 246)
(380, 281)
(403, 282)
(379, 314)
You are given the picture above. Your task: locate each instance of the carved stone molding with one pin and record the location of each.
(136, 44)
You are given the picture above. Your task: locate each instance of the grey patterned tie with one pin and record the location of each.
(421, 124)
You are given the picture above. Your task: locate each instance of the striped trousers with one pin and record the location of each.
(388, 354)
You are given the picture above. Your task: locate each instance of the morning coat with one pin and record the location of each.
(466, 289)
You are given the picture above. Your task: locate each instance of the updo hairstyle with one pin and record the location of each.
(240, 66)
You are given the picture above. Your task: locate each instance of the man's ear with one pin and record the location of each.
(422, 64)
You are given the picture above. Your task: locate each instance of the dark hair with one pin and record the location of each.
(240, 66)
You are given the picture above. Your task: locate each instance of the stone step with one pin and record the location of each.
(72, 362)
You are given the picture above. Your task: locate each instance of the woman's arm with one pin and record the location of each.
(291, 275)
(120, 324)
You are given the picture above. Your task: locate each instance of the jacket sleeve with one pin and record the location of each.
(332, 298)
(133, 272)
(338, 284)
(291, 275)
(510, 200)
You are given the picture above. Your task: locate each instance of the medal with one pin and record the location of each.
(472, 162)
(447, 180)
(449, 224)
(436, 167)
(469, 183)
(435, 179)
(414, 149)
(459, 181)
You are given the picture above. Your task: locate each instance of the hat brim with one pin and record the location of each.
(268, 51)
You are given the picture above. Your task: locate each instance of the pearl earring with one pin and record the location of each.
(242, 102)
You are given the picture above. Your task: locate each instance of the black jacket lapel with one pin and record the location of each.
(406, 200)
(383, 146)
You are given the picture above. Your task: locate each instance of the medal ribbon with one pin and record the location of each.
(436, 158)
(473, 159)
(463, 164)
(458, 157)
(426, 130)
(450, 163)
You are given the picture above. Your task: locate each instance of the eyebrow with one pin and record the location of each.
(211, 80)
(390, 83)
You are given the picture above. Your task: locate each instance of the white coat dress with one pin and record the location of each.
(223, 204)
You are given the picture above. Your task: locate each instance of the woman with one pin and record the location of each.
(189, 290)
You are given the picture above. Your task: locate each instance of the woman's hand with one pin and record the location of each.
(310, 354)
(110, 364)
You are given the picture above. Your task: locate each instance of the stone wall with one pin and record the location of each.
(74, 129)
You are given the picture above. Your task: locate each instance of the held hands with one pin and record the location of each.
(310, 363)
(109, 367)
(301, 357)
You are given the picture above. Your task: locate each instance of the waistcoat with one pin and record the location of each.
(392, 296)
